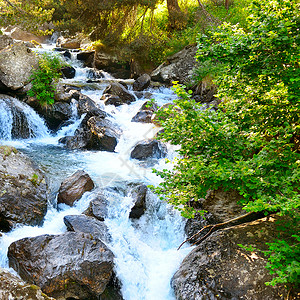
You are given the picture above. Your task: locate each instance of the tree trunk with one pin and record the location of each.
(176, 16)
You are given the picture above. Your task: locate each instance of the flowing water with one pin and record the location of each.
(145, 249)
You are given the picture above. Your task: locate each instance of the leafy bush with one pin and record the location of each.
(252, 142)
(45, 77)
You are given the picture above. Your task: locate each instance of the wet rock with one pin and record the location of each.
(87, 57)
(79, 141)
(178, 67)
(104, 135)
(67, 54)
(12, 287)
(68, 72)
(24, 190)
(119, 90)
(142, 82)
(16, 65)
(139, 195)
(98, 207)
(143, 116)
(5, 41)
(70, 265)
(219, 269)
(73, 187)
(94, 74)
(86, 224)
(111, 100)
(87, 105)
(55, 114)
(149, 148)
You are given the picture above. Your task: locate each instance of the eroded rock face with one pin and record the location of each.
(69, 265)
(73, 187)
(24, 190)
(149, 149)
(12, 287)
(16, 65)
(219, 269)
(178, 67)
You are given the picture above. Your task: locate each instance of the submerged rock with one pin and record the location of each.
(12, 287)
(24, 190)
(219, 269)
(16, 64)
(73, 187)
(149, 149)
(70, 265)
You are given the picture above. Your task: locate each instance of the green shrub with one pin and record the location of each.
(252, 142)
(45, 77)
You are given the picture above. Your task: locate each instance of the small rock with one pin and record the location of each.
(139, 195)
(143, 116)
(73, 187)
(98, 207)
(111, 100)
(119, 90)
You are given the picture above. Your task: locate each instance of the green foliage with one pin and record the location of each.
(45, 77)
(252, 142)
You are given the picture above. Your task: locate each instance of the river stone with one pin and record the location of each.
(143, 116)
(178, 67)
(111, 100)
(68, 43)
(104, 135)
(87, 105)
(70, 265)
(5, 41)
(87, 57)
(16, 65)
(68, 72)
(98, 207)
(12, 287)
(149, 105)
(149, 148)
(73, 187)
(86, 224)
(219, 269)
(119, 90)
(24, 190)
(138, 194)
(141, 83)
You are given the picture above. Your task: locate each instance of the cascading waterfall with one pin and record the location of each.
(19, 120)
(145, 249)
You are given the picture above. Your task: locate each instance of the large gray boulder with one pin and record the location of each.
(149, 148)
(16, 64)
(5, 41)
(12, 287)
(178, 67)
(86, 224)
(24, 190)
(73, 187)
(219, 269)
(70, 265)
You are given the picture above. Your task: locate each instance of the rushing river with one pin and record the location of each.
(145, 249)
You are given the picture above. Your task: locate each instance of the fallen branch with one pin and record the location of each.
(214, 227)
